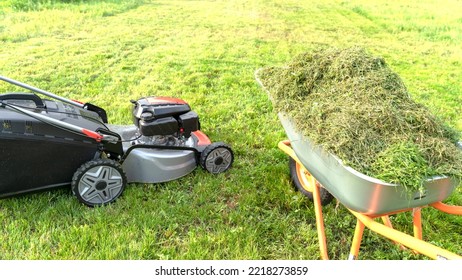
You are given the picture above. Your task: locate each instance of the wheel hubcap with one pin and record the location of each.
(219, 160)
(100, 184)
(305, 178)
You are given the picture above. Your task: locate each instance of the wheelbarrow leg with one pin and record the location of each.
(407, 240)
(358, 236)
(386, 221)
(417, 221)
(319, 220)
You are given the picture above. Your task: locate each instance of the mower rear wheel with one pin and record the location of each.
(217, 158)
(302, 180)
(99, 182)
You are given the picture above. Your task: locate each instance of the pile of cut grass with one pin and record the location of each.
(354, 106)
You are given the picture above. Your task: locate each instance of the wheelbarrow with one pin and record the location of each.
(321, 176)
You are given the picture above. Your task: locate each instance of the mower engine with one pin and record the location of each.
(164, 121)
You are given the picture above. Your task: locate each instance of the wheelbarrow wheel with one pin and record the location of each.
(302, 181)
(98, 182)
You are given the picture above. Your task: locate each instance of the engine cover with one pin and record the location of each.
(164, 116)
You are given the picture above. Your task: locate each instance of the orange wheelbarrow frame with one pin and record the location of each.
(416, 243)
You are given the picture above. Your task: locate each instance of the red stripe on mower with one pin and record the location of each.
(98, 137)
(202, 138)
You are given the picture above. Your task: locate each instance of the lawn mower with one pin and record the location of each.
(54, 142)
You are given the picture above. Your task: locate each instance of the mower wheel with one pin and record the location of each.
(216, 158)
(98, 182)
(302, 180)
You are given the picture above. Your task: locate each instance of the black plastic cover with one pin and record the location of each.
(153, 108)
(35, 155)
(32, 163)
(163, 126)
(189, 122)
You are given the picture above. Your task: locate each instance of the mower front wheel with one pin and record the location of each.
(217, 158)
(302, 180)
(98, 182)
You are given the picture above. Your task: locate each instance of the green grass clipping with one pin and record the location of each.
(354, 106)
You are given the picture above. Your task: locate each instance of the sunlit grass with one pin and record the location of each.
(206, 52)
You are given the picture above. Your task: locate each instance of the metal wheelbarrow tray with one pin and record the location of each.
(357, 191)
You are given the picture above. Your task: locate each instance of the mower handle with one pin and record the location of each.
(98, 137)
(24, 96)
(44, 92)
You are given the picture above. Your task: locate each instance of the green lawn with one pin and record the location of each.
(206, 52)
